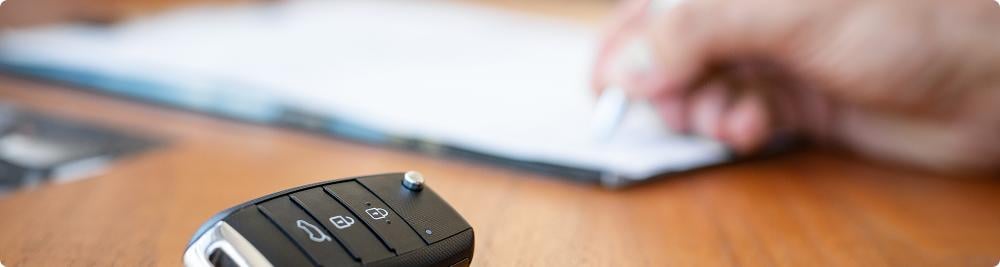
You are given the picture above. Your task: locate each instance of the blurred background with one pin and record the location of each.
(29, 13)
(125, 124)
(501, 82)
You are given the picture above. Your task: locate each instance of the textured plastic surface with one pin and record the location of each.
(317, 242)
(306, 203)
(382, 219)
(345, 226)
(422, 209)
(257, 229)
(445, 253)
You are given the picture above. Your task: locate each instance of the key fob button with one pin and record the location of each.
(424, 210)
(309, 234)
(392, 229)
(344, 225)
(361, 221)
(267, 238)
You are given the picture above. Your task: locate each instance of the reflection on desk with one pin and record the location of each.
(35, 148)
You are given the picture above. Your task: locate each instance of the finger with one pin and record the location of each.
(627, 21)
(673, 111)
(746, 125)
(817, 114)
(708, 105)
(781, 95)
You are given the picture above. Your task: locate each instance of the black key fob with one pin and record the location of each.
(379, 220)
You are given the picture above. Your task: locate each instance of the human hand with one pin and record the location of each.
(916, 82)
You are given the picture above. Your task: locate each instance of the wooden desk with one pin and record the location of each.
(810, 208)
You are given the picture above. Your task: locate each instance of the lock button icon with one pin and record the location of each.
(341, 221)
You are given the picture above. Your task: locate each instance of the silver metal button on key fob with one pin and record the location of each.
(380, 220)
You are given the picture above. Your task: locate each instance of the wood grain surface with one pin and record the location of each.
(807, 208)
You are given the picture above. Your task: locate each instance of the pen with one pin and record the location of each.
(613, 103)
(609, 112)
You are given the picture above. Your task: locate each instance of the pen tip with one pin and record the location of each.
(609, 111)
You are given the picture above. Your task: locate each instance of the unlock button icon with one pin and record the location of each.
(377, 213)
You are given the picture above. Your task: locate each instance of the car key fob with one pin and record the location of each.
(379, 220)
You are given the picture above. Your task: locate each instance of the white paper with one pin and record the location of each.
(509, 84)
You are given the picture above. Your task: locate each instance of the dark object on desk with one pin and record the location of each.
(378, 220)
(35, 148)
